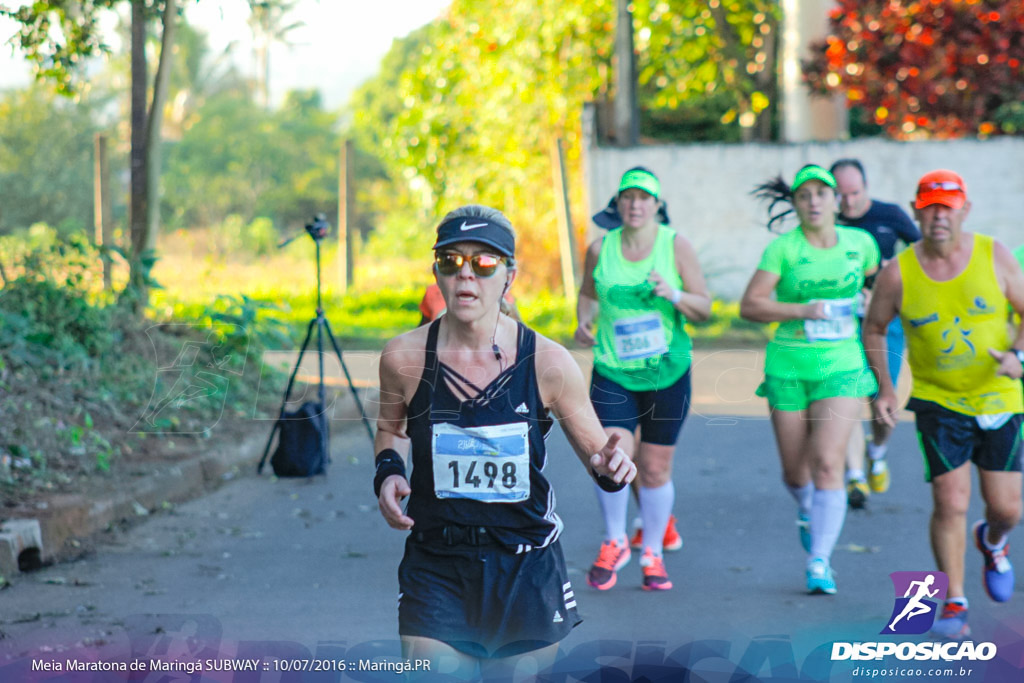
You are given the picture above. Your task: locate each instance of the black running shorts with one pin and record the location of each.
(660, 414)
(483, 600)
(949, 439)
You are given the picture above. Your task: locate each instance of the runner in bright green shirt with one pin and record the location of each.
(641, 282)
(816, 375)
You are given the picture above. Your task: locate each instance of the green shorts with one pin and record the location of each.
(791, 393)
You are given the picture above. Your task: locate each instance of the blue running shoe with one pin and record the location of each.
(952, 625)
(803, 523)
(819, 578)
(998, 572)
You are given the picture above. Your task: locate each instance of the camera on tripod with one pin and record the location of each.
(303, 448)
(318, 227)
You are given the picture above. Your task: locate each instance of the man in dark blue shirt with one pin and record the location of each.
(889, 225)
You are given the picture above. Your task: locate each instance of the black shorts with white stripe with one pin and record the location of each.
(484, 600)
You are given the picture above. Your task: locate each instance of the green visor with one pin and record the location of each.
(813, 173)
(643, 180)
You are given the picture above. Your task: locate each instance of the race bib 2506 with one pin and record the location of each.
(640, 337)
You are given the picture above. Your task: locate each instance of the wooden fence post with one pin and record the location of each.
(101, 205)
(566, 239)
(346, 215)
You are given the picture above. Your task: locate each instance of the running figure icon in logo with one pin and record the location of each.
(916, 588)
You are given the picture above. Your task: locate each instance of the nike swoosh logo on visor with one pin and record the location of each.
(464, 226)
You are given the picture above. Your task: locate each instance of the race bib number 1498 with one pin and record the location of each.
(490, 464)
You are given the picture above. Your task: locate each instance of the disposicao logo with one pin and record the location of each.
(918, 596)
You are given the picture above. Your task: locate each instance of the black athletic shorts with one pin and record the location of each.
(660, 414)
(483, 600)
(949, 439)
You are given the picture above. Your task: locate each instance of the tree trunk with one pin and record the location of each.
(265, 56)
(768, 82)
(137, 204)
(627, 124)
(154, 124)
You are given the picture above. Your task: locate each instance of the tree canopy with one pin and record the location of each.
(935, 68)
(46, 160)
(238, 158)
(466, 109)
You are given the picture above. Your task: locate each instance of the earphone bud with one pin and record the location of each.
(494, 347)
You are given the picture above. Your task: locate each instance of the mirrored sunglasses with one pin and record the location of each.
(947, 185)
(483, 265)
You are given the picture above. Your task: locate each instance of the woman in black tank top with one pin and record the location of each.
(468, 397)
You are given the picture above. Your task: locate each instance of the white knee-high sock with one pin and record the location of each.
(613, 508)
(803, 495)
(655, 509)
(828, 512)
(877, 451)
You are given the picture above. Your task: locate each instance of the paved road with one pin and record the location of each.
(307, 570)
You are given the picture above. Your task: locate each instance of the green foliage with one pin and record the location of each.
(725, 324)
(57, 36)
(399, 233)
(368, 319)
(55, 317)
(238, 159)
(197, 74)
(243, 324)
(260, 236)
(466, 109)
(46, 151)
(552, 315)
(234, 236)
(721, 54)
(77, 372)
(1009, 118)
(52, 310)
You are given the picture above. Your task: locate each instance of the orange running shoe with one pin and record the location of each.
(611, 558)
(655, 576)
(672, 541)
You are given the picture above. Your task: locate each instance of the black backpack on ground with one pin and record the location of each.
(302, 449)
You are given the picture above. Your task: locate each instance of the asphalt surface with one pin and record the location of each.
(305, 571)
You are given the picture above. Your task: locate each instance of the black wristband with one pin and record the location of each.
(606, 483)
(388, 462)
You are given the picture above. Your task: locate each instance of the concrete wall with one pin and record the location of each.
(707, 187)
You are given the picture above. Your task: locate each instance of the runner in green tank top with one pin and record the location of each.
(641, 282)
(815, 371)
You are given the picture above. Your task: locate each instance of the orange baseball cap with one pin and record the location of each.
(941, 187)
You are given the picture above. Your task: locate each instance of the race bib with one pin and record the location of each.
(860, 305)
(839, 324)
(489, 464)
(992, 422)
(640, 337)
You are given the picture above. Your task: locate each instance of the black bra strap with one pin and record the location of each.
(458, 383)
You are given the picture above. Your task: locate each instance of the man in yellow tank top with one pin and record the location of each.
(951, 291)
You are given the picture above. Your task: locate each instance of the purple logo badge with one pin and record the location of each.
(918, 594)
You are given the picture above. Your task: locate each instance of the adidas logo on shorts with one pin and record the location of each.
(558, 618)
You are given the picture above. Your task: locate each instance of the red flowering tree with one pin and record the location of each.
(931, 68)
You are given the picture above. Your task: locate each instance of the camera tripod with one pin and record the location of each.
(317, 229)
